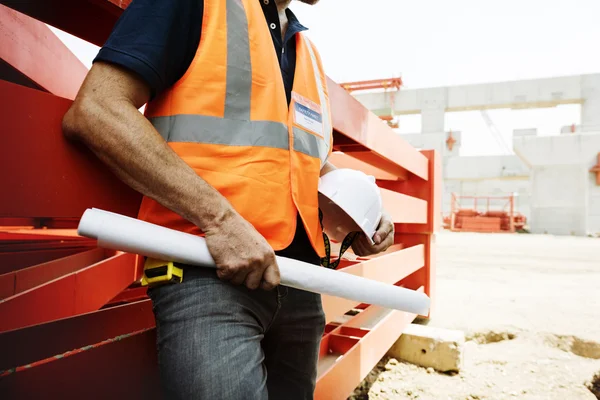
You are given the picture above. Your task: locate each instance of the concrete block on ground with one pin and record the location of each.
(438, 348)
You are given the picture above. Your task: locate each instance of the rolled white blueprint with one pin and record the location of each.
(118, 232)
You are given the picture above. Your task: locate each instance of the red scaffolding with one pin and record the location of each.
(484, 214)
(74, 321)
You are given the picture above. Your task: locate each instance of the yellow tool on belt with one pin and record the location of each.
(159, 272)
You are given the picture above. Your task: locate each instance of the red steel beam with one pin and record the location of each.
(388, 268)
(425, 276)
(123, 367)
(428, 190)
(361, 134)
(31, 277)
(129, 295)
(404, 209)
(90, 20)
(16, 260)
(72, 294)
(25, 346)
(50, 177)
(32, 49)
(348, 360)
(394, 83)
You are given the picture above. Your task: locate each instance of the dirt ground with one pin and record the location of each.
(530, 309)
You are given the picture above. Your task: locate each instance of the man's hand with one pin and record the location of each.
(105, 117)
(384, 238)
(242, 255)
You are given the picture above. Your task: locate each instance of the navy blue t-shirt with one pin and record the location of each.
(157, 40)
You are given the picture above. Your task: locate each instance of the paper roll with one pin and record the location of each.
(118, 232)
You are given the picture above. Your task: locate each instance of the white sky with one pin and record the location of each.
(452, 42)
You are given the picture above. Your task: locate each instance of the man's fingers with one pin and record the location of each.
(239, 278)
(361, 246)
(388, 241)
(225, 274)
(270, 277)
(253, 279)
(383, 231)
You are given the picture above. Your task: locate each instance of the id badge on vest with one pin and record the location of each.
(307, 114)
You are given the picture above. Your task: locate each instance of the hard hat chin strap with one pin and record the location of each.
(346, 243)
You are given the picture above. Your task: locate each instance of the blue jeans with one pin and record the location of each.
(220, 341)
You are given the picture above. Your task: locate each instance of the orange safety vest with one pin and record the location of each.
(228, 118)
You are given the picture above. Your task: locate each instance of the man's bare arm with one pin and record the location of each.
(105, 117)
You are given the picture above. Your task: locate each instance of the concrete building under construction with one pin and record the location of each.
(556, 179)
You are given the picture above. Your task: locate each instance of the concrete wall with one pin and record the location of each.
(594, 204)
(560, 200)
(565, 199)
(556, 191)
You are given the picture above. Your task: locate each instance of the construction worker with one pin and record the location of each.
(231, 145)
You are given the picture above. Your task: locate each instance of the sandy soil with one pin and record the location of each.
(530, 308)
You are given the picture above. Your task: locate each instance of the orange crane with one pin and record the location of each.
(388, 83)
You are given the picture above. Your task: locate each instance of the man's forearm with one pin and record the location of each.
(130, 146)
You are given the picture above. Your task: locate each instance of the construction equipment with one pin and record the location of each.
(496, 134)
(392, 84)
(73, 316)
(466, 214)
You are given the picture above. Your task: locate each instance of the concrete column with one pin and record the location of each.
(590, 109)
(433, 104)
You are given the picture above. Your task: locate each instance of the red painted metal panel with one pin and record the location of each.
(28, 278)
(81, 291)
(98, 284)
(429, 190)
(124, 367)
(27, 345)
(129, 295)
(404, 209)
(13, 261)
(31, 48)
(50, 177)
(370, 140)
(343, 366)
(91, 20)
(341, 160)
(389, 268)
(425, 276)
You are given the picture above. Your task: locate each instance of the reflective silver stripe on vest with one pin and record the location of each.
(239, 69)
(215, 130)
(306, 143)
(323, 149)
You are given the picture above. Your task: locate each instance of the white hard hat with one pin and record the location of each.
(350, 201)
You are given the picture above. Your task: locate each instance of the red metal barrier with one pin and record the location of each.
(492, 214)
(73, 319)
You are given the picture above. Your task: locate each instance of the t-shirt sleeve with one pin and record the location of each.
(157, 39)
